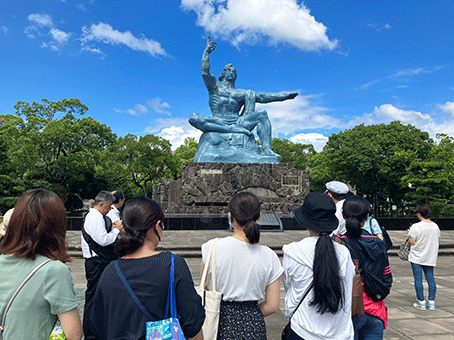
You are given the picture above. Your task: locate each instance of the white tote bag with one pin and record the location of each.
(211, 299)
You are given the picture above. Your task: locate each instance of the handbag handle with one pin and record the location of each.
(211, 261)
(17, 291)
(171, 293)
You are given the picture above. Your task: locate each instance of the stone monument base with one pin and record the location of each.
(206, 188)
(231, 147)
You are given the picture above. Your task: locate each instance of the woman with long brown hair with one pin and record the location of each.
(36, 233)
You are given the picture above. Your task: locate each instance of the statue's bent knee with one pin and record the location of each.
(194, 119)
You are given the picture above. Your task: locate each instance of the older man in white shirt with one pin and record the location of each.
(338, 192)
(97, 248)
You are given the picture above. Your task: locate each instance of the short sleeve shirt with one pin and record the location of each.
(425, 250)
(49, 292)
(243, 270)
(372, 226)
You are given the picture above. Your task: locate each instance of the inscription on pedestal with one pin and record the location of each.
(290, 180)
(211, 171)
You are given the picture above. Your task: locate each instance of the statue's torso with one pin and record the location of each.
(226, 102)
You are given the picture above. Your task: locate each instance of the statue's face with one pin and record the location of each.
(230, 73)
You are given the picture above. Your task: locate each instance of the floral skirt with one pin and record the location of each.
(241, 321)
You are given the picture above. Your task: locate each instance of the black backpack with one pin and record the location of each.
(105, 253)
(373, 285)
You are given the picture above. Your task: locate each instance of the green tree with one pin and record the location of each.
(294, 153)
(373, 159)
(432, 180)
(142, 160)
(185, 153)
(56, 154)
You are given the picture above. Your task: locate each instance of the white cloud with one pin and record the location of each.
(448, 107)
(4, 29)
(138, 110)
(379, 27)
(400, 76)
(387, 113)
(316, 139)
(301, 113)
(81, 6)
(141, 109)
(92, 50)
(41, 19)
(411, 72)
(250, 21)
(104, 33)
(158, 105)
(59, 39)
(175, 130)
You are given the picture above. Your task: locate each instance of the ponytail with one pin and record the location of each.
(327, 284)
(355, 211)
(252, 231)
(129, 243)
(244, 207)
(140, 215)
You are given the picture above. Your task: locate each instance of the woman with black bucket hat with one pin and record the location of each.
(318, 276)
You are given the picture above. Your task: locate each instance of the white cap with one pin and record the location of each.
(337, 187)
(5, 222)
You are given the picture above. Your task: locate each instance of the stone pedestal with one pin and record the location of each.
(206, 188)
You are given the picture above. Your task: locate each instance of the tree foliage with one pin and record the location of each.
(373, 160)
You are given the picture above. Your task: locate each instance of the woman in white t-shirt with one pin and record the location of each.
(318, 276)
(247, 274)
(423, 255)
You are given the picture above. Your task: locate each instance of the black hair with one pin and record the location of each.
(338, 197)
(355, 210)
(118, 195)
(244, 207)
(424, 210)
(327, 283)
(139, 215)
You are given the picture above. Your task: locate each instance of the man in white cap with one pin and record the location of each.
(338, 192)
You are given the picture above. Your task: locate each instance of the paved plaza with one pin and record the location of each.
(405, 322)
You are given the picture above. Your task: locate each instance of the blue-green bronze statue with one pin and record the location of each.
(227, 134)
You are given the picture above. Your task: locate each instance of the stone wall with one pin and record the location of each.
(206, 188)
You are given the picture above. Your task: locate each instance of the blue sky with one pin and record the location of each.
(136, 64)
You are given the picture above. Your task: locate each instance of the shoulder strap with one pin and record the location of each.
(211, 261)
(354, 243)
(17, 291)
(301, 301)
(130, 291)
(171, 296)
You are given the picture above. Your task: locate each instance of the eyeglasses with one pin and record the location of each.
(161, 225)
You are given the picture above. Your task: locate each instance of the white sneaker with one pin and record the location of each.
(421, 305)
(430, 304)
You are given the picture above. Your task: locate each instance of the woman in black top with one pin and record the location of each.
(115, 315)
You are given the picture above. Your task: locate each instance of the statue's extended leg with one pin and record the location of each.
(264, 132)
(214, 124)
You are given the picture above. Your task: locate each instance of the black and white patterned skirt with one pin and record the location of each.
(241, 321)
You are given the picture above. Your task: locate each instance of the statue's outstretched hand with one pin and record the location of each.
(292, 95)
(211, 45)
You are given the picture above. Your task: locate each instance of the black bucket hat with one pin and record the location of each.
(318, 213)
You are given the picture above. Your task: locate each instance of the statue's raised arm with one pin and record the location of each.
(208, 78)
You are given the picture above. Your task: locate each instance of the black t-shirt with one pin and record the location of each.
(116, 316)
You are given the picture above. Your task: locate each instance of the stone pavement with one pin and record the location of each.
(405, 322)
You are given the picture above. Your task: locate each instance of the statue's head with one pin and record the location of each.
(228, 73)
